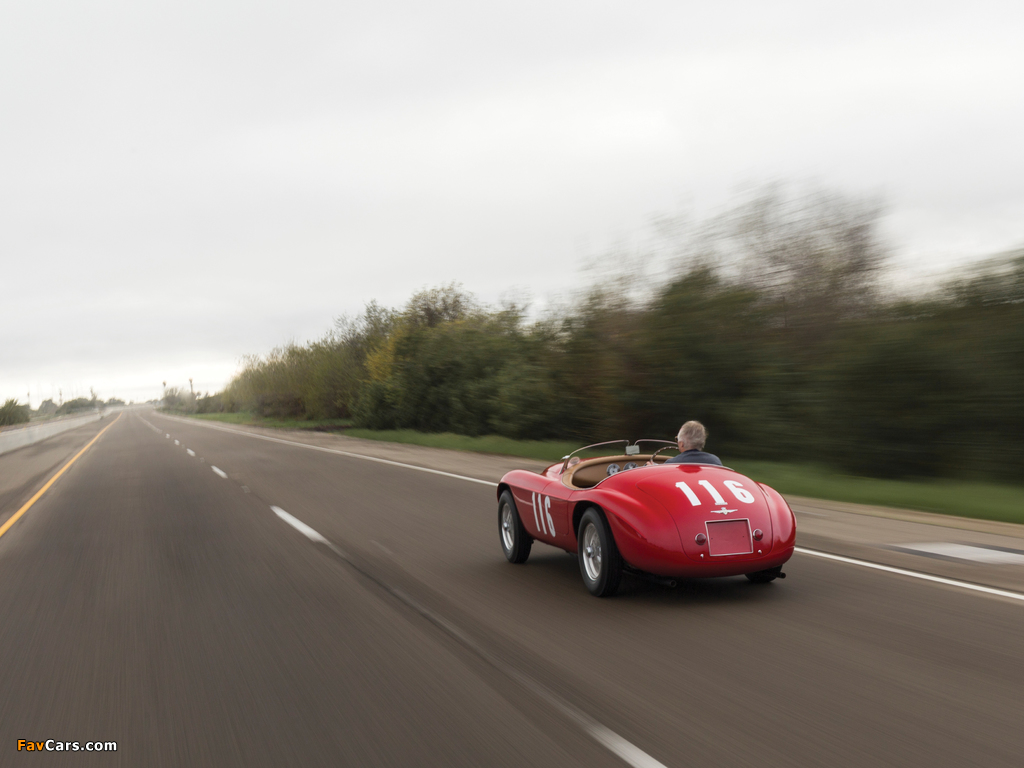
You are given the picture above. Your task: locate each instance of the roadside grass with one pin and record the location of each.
(542, 450)
(988, 501)
(253, 420)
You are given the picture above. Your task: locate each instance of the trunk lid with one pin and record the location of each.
(711, 501)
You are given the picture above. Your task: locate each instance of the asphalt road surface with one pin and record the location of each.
(205, 597)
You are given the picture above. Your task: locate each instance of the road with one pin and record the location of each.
(203, 596)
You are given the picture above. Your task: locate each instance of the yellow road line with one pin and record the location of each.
(14, 518)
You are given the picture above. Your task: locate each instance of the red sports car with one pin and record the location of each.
(631, 512)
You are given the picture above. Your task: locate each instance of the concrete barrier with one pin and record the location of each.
(12, 438)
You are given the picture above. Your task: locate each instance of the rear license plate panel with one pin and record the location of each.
(729, 537)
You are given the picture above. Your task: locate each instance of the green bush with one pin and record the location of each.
(13, 413)
(76, 405)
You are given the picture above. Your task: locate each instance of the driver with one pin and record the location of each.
(691, 439)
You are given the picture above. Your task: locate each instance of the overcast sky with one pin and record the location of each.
(184, 183)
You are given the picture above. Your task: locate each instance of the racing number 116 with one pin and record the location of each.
(741, 493)
(542, 514)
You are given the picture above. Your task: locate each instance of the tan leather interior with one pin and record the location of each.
(589, 473)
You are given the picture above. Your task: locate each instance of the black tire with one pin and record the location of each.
(516, 542)
(763, 577)
(600, 563)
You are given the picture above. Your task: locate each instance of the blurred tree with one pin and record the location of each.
(11, 412)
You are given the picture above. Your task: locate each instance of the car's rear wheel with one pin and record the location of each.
(763, 577)
(600, 564)
(515, 541)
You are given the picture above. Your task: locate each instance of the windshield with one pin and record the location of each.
(580, 453)
(644, 446)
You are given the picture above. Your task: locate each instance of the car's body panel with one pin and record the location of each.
(531, 512)
(657, 514)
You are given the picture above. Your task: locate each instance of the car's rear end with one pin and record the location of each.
(723, 522)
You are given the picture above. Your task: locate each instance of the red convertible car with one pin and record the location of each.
(631, 512)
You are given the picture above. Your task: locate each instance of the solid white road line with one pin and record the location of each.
(914, 574)
(190, 452)
(220, 472)
(812, 552)
(300, 526)
(342, 453)
(625, 750)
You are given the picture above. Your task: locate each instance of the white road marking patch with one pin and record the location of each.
(176, 442)
(190, 452)
(914, 574)
(220, 472)
(300, 526)
(967, 552)
(166, 435)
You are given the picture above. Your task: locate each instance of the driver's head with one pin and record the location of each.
(692, 435)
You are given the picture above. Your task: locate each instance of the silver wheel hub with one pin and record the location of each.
(592, 552)
(508, 536)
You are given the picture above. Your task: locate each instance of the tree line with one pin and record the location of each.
(777, 328)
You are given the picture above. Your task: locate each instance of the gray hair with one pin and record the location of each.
(692, 435)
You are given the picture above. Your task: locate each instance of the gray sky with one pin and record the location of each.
(184, 183)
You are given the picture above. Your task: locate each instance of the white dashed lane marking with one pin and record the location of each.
(300, 526)
(220, 472)
(176, 442)
(190, 452)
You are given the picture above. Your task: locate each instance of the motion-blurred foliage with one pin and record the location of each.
(13, 413)
(775, 332)
(79, 404)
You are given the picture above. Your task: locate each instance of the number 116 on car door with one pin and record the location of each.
(542, 514)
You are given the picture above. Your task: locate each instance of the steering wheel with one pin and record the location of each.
(666, 448)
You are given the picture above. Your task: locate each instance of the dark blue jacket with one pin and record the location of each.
(693, 456)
